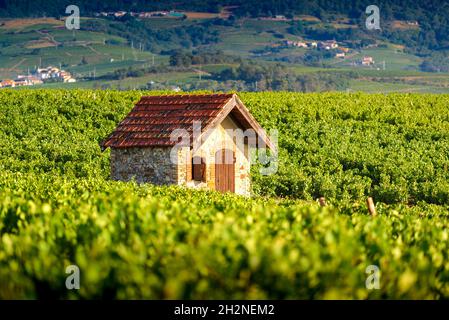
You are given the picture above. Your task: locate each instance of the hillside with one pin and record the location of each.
(130, 52)
(59, 207)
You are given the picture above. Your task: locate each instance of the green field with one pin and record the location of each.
(59, 207)
(373, 87)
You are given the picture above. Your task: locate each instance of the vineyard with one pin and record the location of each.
(58, 206)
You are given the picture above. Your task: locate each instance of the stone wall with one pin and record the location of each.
(154, 165)
(143, 165)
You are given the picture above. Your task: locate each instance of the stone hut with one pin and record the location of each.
(202, 141)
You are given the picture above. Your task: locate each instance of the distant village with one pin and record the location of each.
(142, 15)
(39, 76)
(340, 52)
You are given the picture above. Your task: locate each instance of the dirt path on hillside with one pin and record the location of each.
(95, 51)
(49, 37)
(17, 64)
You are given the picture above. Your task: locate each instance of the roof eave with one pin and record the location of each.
(254, 124)
(234, 101)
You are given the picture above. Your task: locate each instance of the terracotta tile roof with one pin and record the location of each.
(153, 119)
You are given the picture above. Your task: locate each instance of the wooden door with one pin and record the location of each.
(225, 170)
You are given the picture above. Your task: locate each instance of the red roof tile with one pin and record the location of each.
(154, 118)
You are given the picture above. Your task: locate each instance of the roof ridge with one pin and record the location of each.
(191, 95)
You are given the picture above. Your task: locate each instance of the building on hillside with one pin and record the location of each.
(66, 77)
(328, 45)
(274, 18)
(119, 14)
(153, 14)
(52, 74)
(280, 17)
(188, 140)
(22, 82)
(298, 44)
(176, 14)
(340, 55)
(412, 23)
(8, 83)
(367, 61)
(30, 80)
(47, 73)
